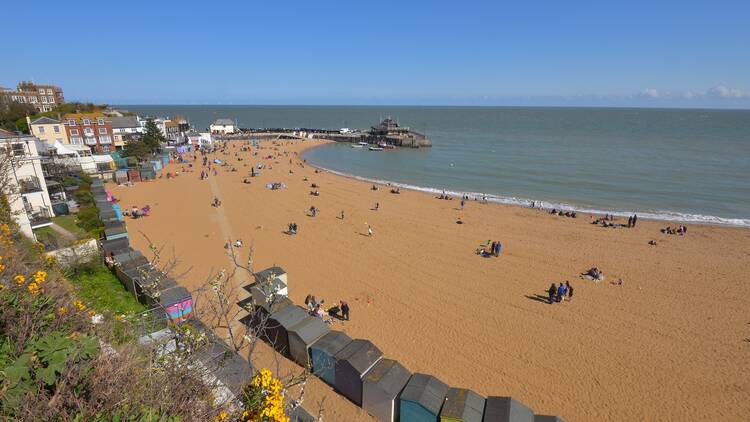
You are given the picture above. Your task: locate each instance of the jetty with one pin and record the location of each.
(386, 134)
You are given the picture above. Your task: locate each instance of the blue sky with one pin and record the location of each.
(629, 53)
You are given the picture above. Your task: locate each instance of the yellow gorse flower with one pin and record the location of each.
(20, 278)
(62, 310)
(79, 305)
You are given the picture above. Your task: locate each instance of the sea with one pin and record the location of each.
(670, 164)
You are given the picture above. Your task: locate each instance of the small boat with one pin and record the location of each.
(364, 144)
(389, 146)
(357, 146)
(375, 149)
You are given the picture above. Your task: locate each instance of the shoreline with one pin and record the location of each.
(418, 290)
(665, 216)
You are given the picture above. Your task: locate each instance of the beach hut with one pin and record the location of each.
(120, 176)
(462, 405)
(548, 418)
(323, 352)
(114, 224)
(178, 303)
(115, 233)
(115, 246)
(129, 258)
(270, 274)
(352, 363)
(303, 335)
(278, 324)
(134, 176)
(506, 409)
(259, 313)
(265, 291)
(422, 399)
(381, 387)
(132, 276)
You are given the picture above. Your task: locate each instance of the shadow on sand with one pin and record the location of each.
(539, 298)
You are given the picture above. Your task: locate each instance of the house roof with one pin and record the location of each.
(223, 122)
(123, 122)
(44, 120)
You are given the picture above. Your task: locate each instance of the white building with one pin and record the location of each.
(80, 157)
(26, 190)
(223, 126)
(125, 127)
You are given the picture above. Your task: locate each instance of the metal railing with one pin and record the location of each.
(38, 216)
(29, 184)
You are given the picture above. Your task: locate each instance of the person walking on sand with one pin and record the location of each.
(369, 230)
(462, 204)
(342, 214)
(635, 218)
(630, 221)
(344, 310)
(569, 288)
(377, 206)
(551, 292)
(560, 292)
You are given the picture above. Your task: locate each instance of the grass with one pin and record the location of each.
(101, 290)
(44, 233)
(69, 223)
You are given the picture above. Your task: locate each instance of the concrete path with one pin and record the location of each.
(65, 233)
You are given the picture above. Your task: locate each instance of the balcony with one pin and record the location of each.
(105, 139)
(29, 184)
(39, 216)
(89, 141)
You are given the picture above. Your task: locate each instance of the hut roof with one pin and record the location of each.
(389, 375)
(548, 418)
(361, 355)
(464, 405)
(173, 295)
(426, 390)
(262, 276)
(310, 329)
(289, 316)
(114, 224)
(114, 231)
(332, 342)
(128, 256)
(115, 245)
(506, 409)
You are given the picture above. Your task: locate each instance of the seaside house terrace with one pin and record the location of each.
(42, 96)
(91, 129)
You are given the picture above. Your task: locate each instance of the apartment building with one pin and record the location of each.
(48, 130)
(42, 96)
(126, 127)
(27, 191)
(91, 129)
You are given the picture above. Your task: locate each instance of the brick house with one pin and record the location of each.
(91, 129)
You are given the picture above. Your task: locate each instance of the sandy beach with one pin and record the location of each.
(671, 343)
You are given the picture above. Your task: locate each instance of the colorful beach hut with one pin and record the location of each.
(303, 335)
(506, 409)
(323, 352)
(381, 387)
(178, 303)
(462, 405)
(352, 363)
(276, 332)
(115, 233)
(422, 399)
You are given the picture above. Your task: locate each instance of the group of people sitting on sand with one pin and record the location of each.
(136, 212)
(314, 192)
(445, 196)
(216, 202)
(558, 293)
(397, 191)
(313, 211)
(562, 213)
(594, 273)
(681, 230)
(317, 308)
(492, 248)
(291, 228)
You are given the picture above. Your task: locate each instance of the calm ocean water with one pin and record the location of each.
(689, 165)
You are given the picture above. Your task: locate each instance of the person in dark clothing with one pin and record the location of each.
(570, 290)
(635, 218)
(344, 310)
(552, 291)
(630, 221)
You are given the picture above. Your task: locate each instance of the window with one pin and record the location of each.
(18, 150)
(71, 122)
(32, 99)
(100, 121)
(88, 131)
(76, 140)
(41, 91)
(51, 99)
(40, 128)
(44, 99)
(57, 129)
(86, 121)
(102, 130)
(49, 91)
(74, 132)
